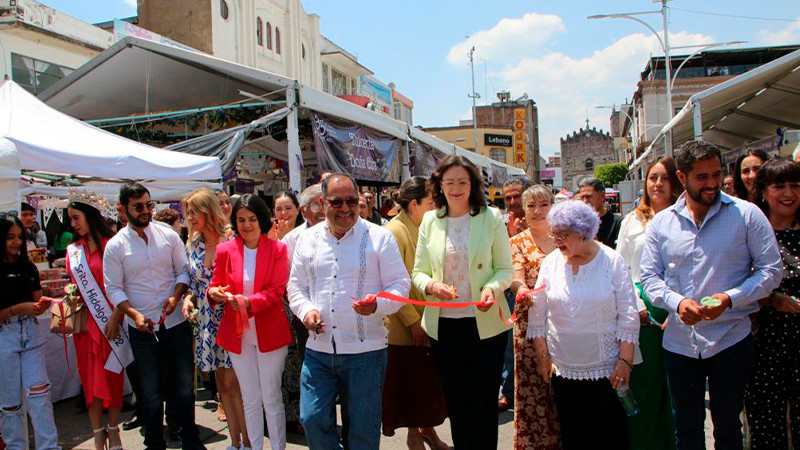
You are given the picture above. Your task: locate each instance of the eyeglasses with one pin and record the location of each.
(7, 214)
(337, 203)
(140, 207)
(559, 237)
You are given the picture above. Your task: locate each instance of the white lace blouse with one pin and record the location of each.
(584, 317)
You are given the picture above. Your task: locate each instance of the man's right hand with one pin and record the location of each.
(141, 323)
(313, 322)
(442, 291)
(689, 312)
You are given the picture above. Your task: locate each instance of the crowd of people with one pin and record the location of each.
(598, 330)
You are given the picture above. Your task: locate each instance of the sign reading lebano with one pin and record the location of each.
(362, 152)
(500, 140)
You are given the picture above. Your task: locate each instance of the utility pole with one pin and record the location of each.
(668, 78)
(474, 96)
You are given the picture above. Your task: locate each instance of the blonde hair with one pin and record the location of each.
(205, 202)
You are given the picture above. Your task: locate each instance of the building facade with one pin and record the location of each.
(521, 116)
(493, 143)
(41, 45)
(581, 152)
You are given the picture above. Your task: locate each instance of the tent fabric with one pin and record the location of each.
(161, 191)
(226, 144)
(741, 110)
(49, 141)
(9, 174)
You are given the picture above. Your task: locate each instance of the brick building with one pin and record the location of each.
(581, 152)
(501, 115)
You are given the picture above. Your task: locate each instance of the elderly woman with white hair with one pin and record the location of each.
(589, 322)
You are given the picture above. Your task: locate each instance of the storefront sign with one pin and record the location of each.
(362, 152)
(500, 140)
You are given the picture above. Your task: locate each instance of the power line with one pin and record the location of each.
(735, 16)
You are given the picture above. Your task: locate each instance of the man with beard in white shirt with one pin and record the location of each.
(339, 265)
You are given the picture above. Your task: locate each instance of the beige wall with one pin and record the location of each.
(464, 137)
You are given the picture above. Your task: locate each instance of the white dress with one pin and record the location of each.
(584, 317)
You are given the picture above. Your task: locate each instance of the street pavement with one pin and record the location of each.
(75, 433)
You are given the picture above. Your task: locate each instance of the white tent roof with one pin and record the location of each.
(49, 141)
(740, 110)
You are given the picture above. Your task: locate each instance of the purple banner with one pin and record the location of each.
(361, 152)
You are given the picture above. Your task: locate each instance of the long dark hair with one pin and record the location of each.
(738, 184)
(98, 226)
(477, 201)
(255, 204)
(772, 172)
(645, 208)
(414, 188)
(291, 196)
(5, 227)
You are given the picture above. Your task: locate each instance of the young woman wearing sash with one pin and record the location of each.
(102, 387)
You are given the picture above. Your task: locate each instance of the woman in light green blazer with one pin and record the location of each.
(463, 252)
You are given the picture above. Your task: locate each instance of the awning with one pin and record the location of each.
(137, 76)
(740, 110)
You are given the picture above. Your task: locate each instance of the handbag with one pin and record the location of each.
(69, 318)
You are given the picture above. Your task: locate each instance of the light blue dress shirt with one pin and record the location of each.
(733, 252)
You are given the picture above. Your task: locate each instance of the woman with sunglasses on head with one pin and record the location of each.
(587, 318)
(22, 365)
(250, 276)
(406, 402)
(745, 171)
(208, 228)
(463, 252)
(535, 419)
(654, 426)
(774, 384)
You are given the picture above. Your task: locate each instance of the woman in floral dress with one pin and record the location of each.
(208, 227)
(535, 419)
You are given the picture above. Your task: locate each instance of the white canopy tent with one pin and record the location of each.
(35, 137)
(740, 110)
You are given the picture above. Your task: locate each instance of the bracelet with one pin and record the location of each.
(626, 362)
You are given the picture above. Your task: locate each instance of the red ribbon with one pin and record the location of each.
(397, 298)
(242, 321)
(60, 303)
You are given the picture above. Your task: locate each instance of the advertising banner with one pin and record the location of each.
(501, 140)
(362, 152)
(424, 158)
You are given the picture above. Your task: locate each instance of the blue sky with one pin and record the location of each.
(547, 49)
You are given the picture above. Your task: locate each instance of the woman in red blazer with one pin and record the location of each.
(250, 276)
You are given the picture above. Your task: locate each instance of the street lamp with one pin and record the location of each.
(614, 108)
(664, 46)
(703, 47)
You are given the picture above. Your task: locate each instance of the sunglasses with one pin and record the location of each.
(140, 207)
(7, 214)
(337, 203)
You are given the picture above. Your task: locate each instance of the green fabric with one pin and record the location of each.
(654, 427)
(655, 312)
(63, 241)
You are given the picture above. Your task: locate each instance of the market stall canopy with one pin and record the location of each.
(136, 76)
(49, 141)
(740, 110)
(160, 191)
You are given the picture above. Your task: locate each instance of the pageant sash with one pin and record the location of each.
(121, 354)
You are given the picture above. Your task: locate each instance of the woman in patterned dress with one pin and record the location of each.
(535, 418)
(207, 228)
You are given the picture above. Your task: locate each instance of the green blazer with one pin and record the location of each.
(489, 266)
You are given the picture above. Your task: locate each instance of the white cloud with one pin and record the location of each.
(508, 39)
(567, 89)
(130, 3)
(788, 35)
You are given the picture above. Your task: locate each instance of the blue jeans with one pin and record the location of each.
(172, 353)
(359, 378)
(507, 385)
(727, 373)
(22, 366)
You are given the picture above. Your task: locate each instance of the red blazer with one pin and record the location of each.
(266, 304)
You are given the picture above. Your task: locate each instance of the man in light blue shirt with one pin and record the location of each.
(708, 245)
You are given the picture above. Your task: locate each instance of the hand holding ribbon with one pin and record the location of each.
(366, 306)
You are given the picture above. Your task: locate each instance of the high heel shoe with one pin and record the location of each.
(432, 439)
(101, 433)
(414, 441)
(108, 434)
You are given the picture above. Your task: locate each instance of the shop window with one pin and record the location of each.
(36, 75)
(223, 9)
(498, 154)
(269, 36)
(277, 40)
(259, 32)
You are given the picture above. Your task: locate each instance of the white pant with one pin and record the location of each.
(259, 377)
